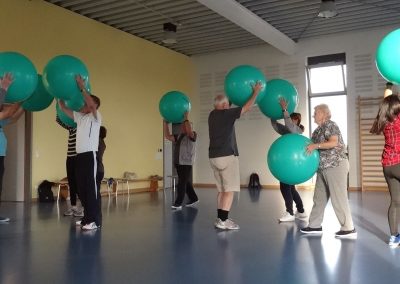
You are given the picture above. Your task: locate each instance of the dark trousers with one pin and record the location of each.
(99, 178)
(290, 194)
(1, 174)
(185, 184)
(392, 176)
(89, 192)
(72, 183)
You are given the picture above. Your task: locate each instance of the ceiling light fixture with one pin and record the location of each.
(327, 9)
(169, 33)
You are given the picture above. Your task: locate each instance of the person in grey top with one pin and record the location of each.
(223, 154)
(331, 175)
(289, 192)
(184, 155)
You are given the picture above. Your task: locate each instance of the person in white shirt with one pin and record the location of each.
(88, 121)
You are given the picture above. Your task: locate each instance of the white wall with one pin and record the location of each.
(254, 132)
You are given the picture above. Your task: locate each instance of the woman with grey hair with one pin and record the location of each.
(331, 175)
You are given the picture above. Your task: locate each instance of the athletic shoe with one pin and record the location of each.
(286, 217)
(301, 216)
(78, 212)
(90, 226)
(312, 231)
(4, 219)
(191, 204)
(228, 224)
(78, 223)
(352, 234)
(176, 207)
(69, 212)
(394, 241)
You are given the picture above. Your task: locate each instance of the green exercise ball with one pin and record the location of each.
(388, 57)
(239, 82)
(173, 106)
(64, 117)
(77, 103)
(288, 161)
(276, 89)
(24, 76)
(40, 99)
(59, 76)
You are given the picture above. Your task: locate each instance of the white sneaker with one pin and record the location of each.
(192, 204)
(301, 216)
(78, 223)
(227, 225)
(394, 241)
(230, 225)
(78, 212)
(287, 217)
(90, 226)
(4, 219)
(176, 207)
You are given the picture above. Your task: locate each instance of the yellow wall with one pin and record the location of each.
(128, 74)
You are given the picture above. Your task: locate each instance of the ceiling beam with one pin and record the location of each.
(244, 18)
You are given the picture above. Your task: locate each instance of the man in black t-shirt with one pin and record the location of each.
(223, 154)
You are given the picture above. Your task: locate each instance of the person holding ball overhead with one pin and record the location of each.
(289, 192)
(184, 154)
(88, 122)
(17, 111)
(331, 175)
(223, 154)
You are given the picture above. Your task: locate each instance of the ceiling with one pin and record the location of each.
(201, 30)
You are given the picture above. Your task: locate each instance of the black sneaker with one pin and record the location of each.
(176, 207)
(311, 231)
(4, 219)
(352, 234)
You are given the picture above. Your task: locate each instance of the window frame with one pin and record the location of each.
(325, 94)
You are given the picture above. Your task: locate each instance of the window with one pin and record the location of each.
(327, 84)
(327, 79)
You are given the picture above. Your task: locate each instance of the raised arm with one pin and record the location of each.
(188, 126)
(66, 110)
(290, 125)
(8, 111)
(281, 129)
(86, 96)
(256, 90)
(14, 118)
(167, 134)
(5, 83)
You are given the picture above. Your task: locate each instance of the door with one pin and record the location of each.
(17, 175)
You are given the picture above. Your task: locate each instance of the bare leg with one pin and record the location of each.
(225, 200)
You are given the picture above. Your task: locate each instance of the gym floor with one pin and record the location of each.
(143, 241)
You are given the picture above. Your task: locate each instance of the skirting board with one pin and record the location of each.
(270, 186)
(105, 193)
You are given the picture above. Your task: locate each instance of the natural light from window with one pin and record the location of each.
(327, 79)
(338, 107)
